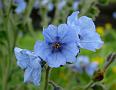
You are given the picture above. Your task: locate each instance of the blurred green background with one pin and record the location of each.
(22, 30)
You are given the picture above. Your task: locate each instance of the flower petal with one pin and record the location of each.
(66, 34)
(70, 51)
(22, 57)
(86, 23)
(56, 60)
(36, 75)
(90, 40)
(50, 33)
(42, 49)
(91, 68)
(21, 7)
(73, 19)
(28, 75)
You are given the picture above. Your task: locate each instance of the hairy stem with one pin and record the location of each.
(47, 78)
(89, 85)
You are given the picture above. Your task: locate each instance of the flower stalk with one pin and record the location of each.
(47, 78)
(89, 85)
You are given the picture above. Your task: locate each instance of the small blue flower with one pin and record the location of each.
(75, 4)
(30, 63)
(85, 29)
(59, 45)
(1, 5)
(36, 4)
(61, 4)
(21, 5)
(83, 64)
(50, 6)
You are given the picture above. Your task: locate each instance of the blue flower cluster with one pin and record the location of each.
(83, 64)
(61, 45)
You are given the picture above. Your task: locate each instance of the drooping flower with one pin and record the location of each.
(28, 61)
(21, 5)
(85, 29)
(83, 64)
(59, 45)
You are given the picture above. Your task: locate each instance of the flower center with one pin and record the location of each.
(56, 45)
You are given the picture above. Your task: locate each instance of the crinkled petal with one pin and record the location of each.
(91, 68)
(70, 51)
(32, 75)
(42, 49)
(86, 23)
(73, 19)
(22, 57)
(36, 75)
(50, 33)
(56, 60)
(90, 40)
(34, 62)
(28, 75)
(66, 34)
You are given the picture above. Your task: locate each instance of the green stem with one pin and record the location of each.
(89, 85)
(47, 78)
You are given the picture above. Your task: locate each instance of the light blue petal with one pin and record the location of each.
(28, 75)
(90, 40)
(20, 8)
(34, 62)
(82, 61)
(86, 23)
(42, 49)
(61, 4)
(73, 19)
(50, 33)
(32, 75)
(22, 57)
(56, 59)
(66, 34)
(91, 68)
(70, 51)
(36, 76)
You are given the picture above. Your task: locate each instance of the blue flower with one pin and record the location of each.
(28, 61)
(21, 5)
(36, 4)
(83, 64)
(75, 4)
(61, 4)
(59, 45)
(85, 29)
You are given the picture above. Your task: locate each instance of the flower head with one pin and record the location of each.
(59, 45)
(21, 5)
(83, 64)
(85, 29)
(30, 63)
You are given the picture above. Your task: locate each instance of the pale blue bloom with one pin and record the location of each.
(114, 15)
(85, 29)
(50, 6)
(59, 45)
(21, 5)
(84, 65)
(61, 4)
(75, 4)
(36, 4)
(44, 2)
(1, 4)
(28, 61)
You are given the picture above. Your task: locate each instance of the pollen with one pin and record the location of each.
(56, 45)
